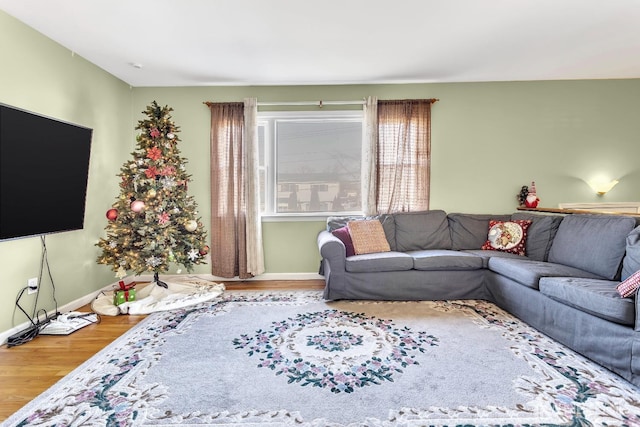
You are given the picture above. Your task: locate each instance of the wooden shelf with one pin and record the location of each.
(576, 211)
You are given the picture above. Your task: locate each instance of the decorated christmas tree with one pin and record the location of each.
(154, 222)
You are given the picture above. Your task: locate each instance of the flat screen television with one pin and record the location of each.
(44, 167)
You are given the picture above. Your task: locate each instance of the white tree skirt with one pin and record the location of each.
(153, 297)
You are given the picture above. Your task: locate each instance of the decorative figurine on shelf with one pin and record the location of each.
(522, 195)
(532, 199)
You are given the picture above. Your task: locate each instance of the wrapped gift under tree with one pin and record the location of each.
(125, 293)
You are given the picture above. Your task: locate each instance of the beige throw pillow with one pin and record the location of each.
(368, 237)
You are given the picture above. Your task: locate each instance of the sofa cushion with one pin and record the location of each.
(381, 261)
(443, 259)
(469, 231)
(342, 233)
(597, 297)
(335, 222)
(507, 236)
(368, 236)
(486, 255)
(630, 285)
(540, 234)
(528, 272)
(594, 243)
(631, 262)
(422, 230)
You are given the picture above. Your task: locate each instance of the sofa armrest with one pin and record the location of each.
(332, 250)
(637, 298)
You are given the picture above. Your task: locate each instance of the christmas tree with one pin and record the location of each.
(154, 221)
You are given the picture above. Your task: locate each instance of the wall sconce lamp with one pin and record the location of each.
(602, 187)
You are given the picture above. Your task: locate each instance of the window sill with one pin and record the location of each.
(304, 217)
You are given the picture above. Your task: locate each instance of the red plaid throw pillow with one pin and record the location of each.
(629, 286)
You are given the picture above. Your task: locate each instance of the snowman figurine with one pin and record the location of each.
(532, 199)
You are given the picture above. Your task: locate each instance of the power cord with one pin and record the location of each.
(39, 318)
(28, 334)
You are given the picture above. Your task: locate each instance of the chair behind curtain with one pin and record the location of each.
(229, 200)
(403, 155)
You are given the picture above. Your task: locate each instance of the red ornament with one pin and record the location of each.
(112, 214)
(204, 250)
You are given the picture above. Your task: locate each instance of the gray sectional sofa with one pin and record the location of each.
(564, 286)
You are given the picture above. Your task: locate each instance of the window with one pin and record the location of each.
(310, 162)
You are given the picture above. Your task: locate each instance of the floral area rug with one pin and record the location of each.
(292, 359)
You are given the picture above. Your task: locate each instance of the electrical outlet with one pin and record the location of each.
(33, 285)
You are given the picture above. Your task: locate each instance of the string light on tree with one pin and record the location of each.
(154, 221)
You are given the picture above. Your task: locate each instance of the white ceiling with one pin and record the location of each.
(294, 42)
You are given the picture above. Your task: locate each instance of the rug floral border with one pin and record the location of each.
(104, 389)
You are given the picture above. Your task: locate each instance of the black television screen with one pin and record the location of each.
(44, 166)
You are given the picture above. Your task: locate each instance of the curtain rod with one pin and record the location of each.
(317, 103)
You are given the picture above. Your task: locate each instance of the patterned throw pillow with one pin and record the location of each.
(342, 233)
(507, 236)
(629, 286)
(368, 236)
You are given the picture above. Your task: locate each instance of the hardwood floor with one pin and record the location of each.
(29, 369)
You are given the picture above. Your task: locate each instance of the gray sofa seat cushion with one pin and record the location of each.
(439, 259)
(594, 243)
(529, 272)
(540, 234)
(381, 261)
(422, 230)
(486, 255)
(469, 231)
(597, 297)
(631, 262)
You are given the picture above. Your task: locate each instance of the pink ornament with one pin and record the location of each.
(137, 205)
(112, 214)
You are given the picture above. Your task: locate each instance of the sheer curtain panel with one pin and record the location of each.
(369, 150)
(403, 155)
(255, 254)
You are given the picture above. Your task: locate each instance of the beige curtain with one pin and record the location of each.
(369, 150)
(255, 252)
(228, 192)
(403, 155)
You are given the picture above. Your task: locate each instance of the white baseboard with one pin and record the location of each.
(266, 276)
(87, 299)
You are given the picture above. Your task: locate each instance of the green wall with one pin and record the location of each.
(488, 139)
(41, 76)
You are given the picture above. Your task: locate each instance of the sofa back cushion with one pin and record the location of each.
(594, 243)
(422, 230)
(540, 234)
(335, 222)
(631, 262)
(470, 231)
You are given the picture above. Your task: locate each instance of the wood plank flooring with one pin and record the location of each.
(29, 369)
